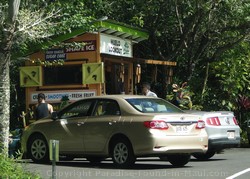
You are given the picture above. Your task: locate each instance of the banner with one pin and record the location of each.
(56, 96)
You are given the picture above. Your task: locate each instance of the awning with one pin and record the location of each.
(140, 60)
(121, 30)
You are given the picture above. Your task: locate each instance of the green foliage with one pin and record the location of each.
(38, 22)
(10, 168)
(74, 15)
(244, 138)
(232, 75)
(183, 96)
(47, 63)
(190, 32)
(243, 103)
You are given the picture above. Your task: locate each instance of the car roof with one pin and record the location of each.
(119, 96)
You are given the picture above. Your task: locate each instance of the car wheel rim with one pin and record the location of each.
(121, 153)
(38, 149)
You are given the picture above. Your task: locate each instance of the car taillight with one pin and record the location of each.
(213, 121)
(156, 124)
(235, 121)
(200, 124)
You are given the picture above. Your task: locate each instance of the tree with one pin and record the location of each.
(232, 77)
(192, 33)
(24, 24)
(7, 35)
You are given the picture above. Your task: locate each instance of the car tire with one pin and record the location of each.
(204, 156)
(122, 154)
(95, 160)
(179, 160)
(38, 149)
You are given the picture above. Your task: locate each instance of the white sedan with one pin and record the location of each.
(223, 132)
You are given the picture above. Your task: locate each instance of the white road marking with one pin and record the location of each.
(239, 173)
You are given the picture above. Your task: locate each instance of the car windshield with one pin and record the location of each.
(153, 105)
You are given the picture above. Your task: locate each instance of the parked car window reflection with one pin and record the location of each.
(153, 105)
(107, 107)
(80, 109)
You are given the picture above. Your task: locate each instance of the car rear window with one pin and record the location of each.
(153, 105)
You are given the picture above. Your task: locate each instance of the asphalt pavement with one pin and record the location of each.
(233, 163)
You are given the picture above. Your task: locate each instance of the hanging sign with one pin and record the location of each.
(30, 76)
(92, 73)
(115, 46)
(55, 54)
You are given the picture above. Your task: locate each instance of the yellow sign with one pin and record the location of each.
(92, 73)
(30, 76)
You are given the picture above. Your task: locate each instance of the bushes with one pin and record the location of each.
(9, 169)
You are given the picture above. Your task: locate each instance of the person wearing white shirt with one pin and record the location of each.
(146, 90)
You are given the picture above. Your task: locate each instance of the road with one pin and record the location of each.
(233, 163)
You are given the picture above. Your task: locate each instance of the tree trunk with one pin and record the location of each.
(4, 103)
(205, 81)
(5, 53)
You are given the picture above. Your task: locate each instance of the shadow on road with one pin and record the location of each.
(209, 160)
(141, 164)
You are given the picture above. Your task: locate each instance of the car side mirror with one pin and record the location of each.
(54, 115)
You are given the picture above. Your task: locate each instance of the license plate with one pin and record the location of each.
(181, 129)
(231, 135)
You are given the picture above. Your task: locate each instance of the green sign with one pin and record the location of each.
(93, 73)
(30, 76)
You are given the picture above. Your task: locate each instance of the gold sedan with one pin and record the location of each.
(124, 127)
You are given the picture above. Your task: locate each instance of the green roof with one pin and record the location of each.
(107, 27)
(122, 30)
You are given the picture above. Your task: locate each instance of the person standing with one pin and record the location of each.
(43, 109)
(146, 90)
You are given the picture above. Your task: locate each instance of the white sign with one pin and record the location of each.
(115, 46)
(56, 96)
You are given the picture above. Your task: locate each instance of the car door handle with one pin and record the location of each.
(80, 123)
